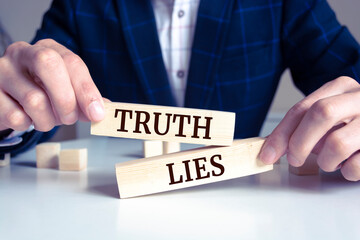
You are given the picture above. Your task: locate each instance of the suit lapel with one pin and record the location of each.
(211, 29)
(139, 27)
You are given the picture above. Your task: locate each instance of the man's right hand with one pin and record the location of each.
(45, 84)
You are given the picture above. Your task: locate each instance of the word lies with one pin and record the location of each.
(200, 169)
(190, 168)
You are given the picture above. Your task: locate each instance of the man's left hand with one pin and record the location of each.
(327, 123)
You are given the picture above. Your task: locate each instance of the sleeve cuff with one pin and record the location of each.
(29, 140)
(11, 137)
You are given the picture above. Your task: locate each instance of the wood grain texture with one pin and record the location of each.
(166, 124)
(47, 155)
(190, 168)
(152, 148)
(73, 159)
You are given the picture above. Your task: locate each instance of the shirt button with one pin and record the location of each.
(181, 13)
(180, 74)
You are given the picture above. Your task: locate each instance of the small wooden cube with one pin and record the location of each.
(6, 161)
(47, 155)
(152, 148)
(171, 147)
(73, 159)
(310, 167)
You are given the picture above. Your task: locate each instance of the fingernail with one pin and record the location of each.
(268, 154)
(70, 118)
(293, 161)
(339, 166)
(96, 111)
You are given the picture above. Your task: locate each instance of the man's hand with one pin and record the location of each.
(326, 123)
(45, 84)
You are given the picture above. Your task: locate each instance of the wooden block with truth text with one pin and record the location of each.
(47, 155)
(151, 122)
(152, 148)
(310, 167)
(73, 159)
(5, 161)
(190, 168)
(171, 147)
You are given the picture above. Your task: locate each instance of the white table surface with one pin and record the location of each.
(51, 204)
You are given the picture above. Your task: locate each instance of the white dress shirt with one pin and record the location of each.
(175, 21)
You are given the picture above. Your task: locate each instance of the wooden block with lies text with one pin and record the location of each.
(174, 124)
(190, 168)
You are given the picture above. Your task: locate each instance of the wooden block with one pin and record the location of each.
(47, 155)
(190, 168)
(171, 147)
(73, 159)
(310, 167)
(150, 122)
(6, 161)
(152, 148)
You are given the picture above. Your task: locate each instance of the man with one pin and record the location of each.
(239, 49)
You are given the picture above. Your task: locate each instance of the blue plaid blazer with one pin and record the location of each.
(240, 50)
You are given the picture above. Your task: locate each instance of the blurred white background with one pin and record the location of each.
(21, 18)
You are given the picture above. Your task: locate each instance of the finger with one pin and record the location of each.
(33, 100)
(3, 127)
(11, 54)
(339, 146)
(106, 100)
(351, 168)
(47, 69)
(277, 143)
(82, 116)
(88, 96)
(319, 145)
(14, 59)
(318, 120)
(12, 115)
(340, 85)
